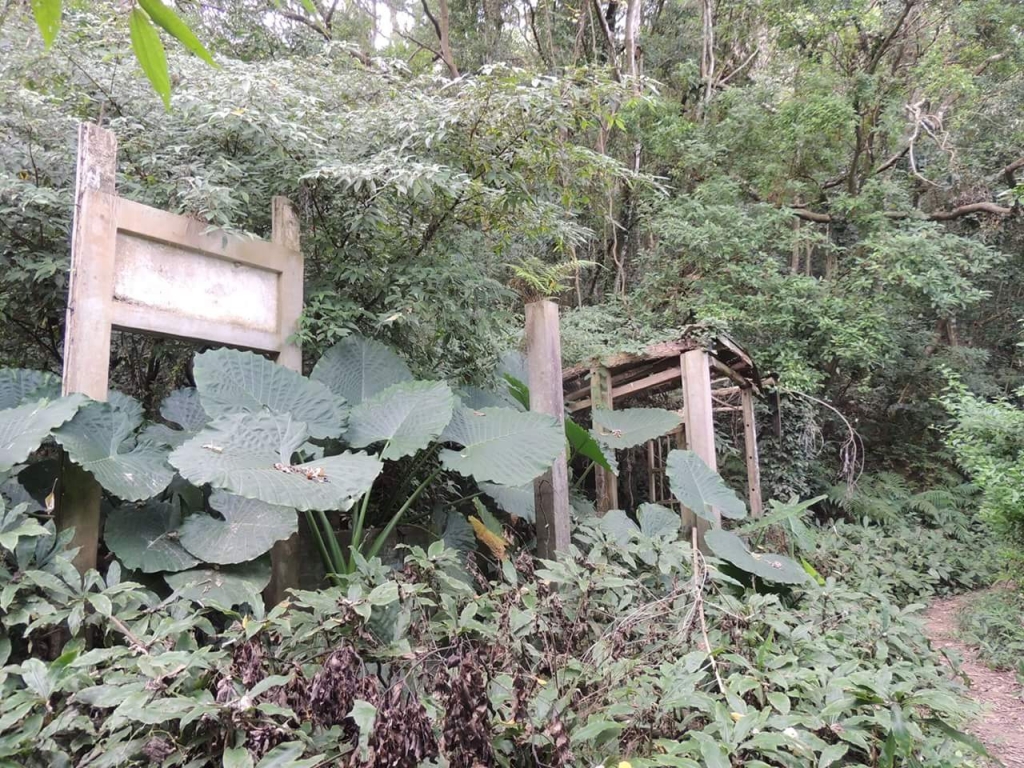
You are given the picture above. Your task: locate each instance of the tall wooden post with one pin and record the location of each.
(606, 484)
(87, 323)
(699, 422)
(550, 490)
(750, 452)
(286, 556)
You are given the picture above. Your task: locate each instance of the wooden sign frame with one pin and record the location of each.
(127, 261)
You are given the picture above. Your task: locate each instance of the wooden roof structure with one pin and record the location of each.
(715, 375)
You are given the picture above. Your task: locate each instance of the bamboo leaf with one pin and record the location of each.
(165, 17)
(150, 53)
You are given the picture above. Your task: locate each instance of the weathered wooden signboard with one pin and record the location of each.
(136, 268)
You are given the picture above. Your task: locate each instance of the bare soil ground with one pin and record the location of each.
(1001, 725)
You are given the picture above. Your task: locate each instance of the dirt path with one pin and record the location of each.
(1001, 726)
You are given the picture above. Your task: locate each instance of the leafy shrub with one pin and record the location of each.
(611, 652)
(992, 623)
(906, 562)
(987, 438)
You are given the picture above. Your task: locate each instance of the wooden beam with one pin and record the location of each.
(550, 490)
(87, 327)
(286, 556)
(606, 484)
(721, 367)
(750, 452)
(672, 374)
(699, 422)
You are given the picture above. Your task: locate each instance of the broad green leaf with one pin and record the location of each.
(24, 427)
(832, 754)
(249, 528)
(225, 587)
(287, 756)
(98, 440)
(765, 565)
(238, 757)
(959, 736)
(22, 385)
(47, 13)
(15, 525)
(700, 488)
(517, 500)
(501, 445)
(150, 53)
(583, 443)
(631, 427)
(597, 730)
(230, 381)
(145, 538)
(358, 368)
(184, 409)
(250, 455)
(407, 416)
(657, 521)
(619, 525)
(171, 23)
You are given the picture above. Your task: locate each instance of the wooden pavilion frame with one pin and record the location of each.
(716, 375)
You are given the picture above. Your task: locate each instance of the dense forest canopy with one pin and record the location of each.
(836, 184)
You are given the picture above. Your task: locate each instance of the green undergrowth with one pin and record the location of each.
(610, 654)
(994, 624)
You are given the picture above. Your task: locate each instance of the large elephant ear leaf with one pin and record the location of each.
(631, 427)
(24, 427)
(184, 409)
(658, 522)
(250, 455)
(20, 385)
(502, 446)
(516, 500)
(226, 587)
(230, 381)
(249, 528)
(700, 488)
(407, 417)
(98, 439)
(358, 368)
(765, 565)
(145, 538)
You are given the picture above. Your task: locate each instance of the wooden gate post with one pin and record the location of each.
(286, 556)
(87, 324)
(700, 426)
(606, 483)
(750, 452)
(550, 490)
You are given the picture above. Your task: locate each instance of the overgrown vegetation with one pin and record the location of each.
(577, 661)
(835, 184)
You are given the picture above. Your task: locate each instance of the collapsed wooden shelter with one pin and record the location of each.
(715, 374)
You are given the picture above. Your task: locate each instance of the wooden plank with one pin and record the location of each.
(722, 368)
(194, 235)
(287, 556)
(606, 484)
(672, 374)
(750, 452)
(130, 317)
(87, 325)
(550, 490)
(698, 419)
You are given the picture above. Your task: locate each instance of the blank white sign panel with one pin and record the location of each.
(195, 285)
